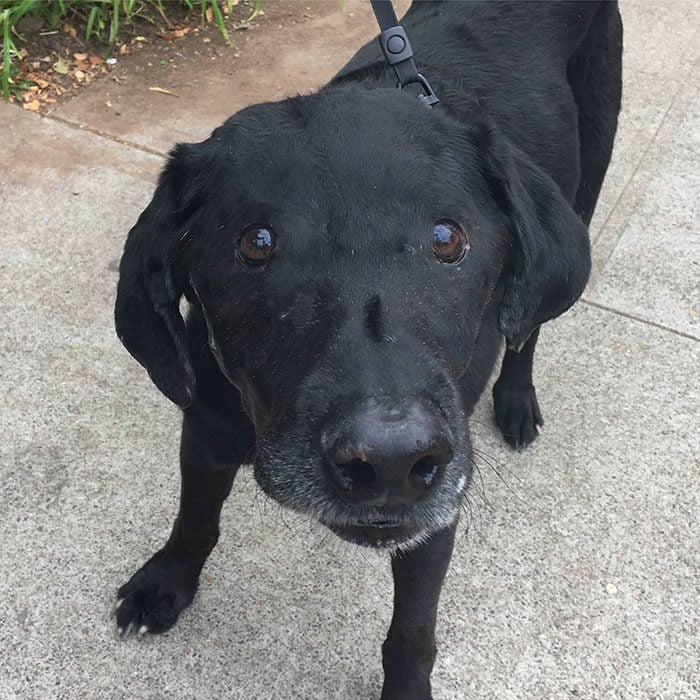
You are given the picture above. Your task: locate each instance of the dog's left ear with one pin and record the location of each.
(551, 258)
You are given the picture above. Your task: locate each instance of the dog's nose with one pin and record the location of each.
(385, 455)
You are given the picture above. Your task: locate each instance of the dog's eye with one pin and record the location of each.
(256, 245)
(450, 242)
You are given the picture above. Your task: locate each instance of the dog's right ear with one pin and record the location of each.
(152, 281)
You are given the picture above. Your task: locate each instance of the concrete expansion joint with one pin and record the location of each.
(632, 317)
(110, 137)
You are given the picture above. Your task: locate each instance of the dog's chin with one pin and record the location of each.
(381, 535)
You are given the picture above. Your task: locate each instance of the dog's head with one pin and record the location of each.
(356, 257)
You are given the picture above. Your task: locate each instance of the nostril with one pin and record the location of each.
(354, 475)
(424, 472)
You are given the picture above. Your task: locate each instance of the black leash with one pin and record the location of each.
(397, 51)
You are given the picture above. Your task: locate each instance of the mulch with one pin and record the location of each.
(56, 63)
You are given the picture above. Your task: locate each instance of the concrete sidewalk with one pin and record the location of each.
(579, 575)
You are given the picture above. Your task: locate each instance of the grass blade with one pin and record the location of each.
(7, 46)
(91, 21)
(115, 23)
(219, 18)
(256, 9)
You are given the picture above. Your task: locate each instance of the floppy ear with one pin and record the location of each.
(152, 281)
(551, 258)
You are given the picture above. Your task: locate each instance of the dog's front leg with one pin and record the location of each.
(210, 455)
(514, 398)
(409, 649)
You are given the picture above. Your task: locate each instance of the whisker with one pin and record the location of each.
(490, 426)
(486, 458)
(259, 503)
(485, 455)
(475, 510)
(280, 515)
(482, 491)
(467, 509)
(325, 534)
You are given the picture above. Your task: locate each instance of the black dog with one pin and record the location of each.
(352, 260)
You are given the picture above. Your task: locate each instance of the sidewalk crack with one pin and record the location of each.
(101, 134)
(639, 319)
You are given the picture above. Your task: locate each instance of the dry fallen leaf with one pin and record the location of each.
(176, 33)
(61, 66)
(79, 75)
(95, 60)
(209, 14)
(80, 56)
(32, 106)
(70, 30)
(163, 91)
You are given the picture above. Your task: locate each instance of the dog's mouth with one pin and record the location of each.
(380, 534)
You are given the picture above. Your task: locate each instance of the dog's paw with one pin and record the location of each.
(154, 597)
(517, 413)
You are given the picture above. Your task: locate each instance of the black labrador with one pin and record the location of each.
(351, 261)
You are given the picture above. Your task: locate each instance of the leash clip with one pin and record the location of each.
(398, 52)
(429, 98)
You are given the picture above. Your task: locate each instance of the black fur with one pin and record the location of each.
(353, 331)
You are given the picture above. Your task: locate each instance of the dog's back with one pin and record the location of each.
(548, 73)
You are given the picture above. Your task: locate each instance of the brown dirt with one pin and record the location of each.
(161, 92)
(60, 62)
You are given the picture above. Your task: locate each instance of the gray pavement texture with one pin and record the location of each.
(578, 577)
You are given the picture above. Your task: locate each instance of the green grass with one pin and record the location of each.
(102, 19)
